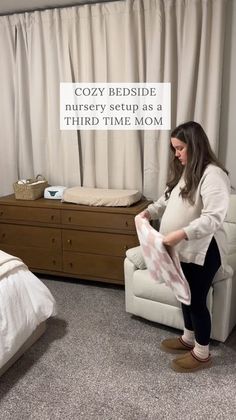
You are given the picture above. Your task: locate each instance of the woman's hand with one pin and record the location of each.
(173, 238)
(145, 214)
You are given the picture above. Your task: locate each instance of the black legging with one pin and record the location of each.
(196, 316)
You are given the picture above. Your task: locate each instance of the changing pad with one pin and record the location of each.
(101, 197)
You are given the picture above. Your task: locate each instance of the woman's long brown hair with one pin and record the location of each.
(199, 155)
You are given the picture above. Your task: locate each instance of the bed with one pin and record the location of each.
(25, 304)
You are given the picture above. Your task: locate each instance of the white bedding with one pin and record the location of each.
(25, 302)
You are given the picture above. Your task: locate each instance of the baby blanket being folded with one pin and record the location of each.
(162, 262)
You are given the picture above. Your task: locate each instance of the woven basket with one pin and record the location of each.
(29, 190)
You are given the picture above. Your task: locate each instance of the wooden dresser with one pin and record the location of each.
(69, 240)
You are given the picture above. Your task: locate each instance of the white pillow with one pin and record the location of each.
(136, 257)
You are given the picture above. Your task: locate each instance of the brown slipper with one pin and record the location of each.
(175, 345)
(190, 363)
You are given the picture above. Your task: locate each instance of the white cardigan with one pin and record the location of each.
(200, 221)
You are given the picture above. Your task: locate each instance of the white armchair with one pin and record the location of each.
(154, 301)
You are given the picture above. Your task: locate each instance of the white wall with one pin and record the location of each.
(227, 151)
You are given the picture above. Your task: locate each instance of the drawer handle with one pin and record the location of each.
(1, 213)
(69, 241)
(69, 219)
(54, 262)
(126, 223)
(53, 240)
(71, 264)
(52, 217)
(126, 247)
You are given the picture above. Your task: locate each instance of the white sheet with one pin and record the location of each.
(25, 302)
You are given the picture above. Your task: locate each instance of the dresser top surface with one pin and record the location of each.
(57, 204)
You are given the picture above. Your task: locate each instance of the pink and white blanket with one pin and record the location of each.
(162, 262)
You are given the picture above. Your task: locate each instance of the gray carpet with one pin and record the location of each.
(97, 362)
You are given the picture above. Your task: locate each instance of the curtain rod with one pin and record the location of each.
(82, 3)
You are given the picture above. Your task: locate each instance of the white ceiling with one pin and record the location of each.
(12, 6)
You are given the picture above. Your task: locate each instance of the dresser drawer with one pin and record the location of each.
(32, 236)
(29, 214)
(93, 266)
(36, 258)
(98, 243)
(98, 220)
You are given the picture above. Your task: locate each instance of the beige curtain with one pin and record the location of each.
(131, 41)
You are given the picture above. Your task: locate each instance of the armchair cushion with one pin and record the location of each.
(232, 261)
(146, 287)
(223, 273)
(230, 229)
